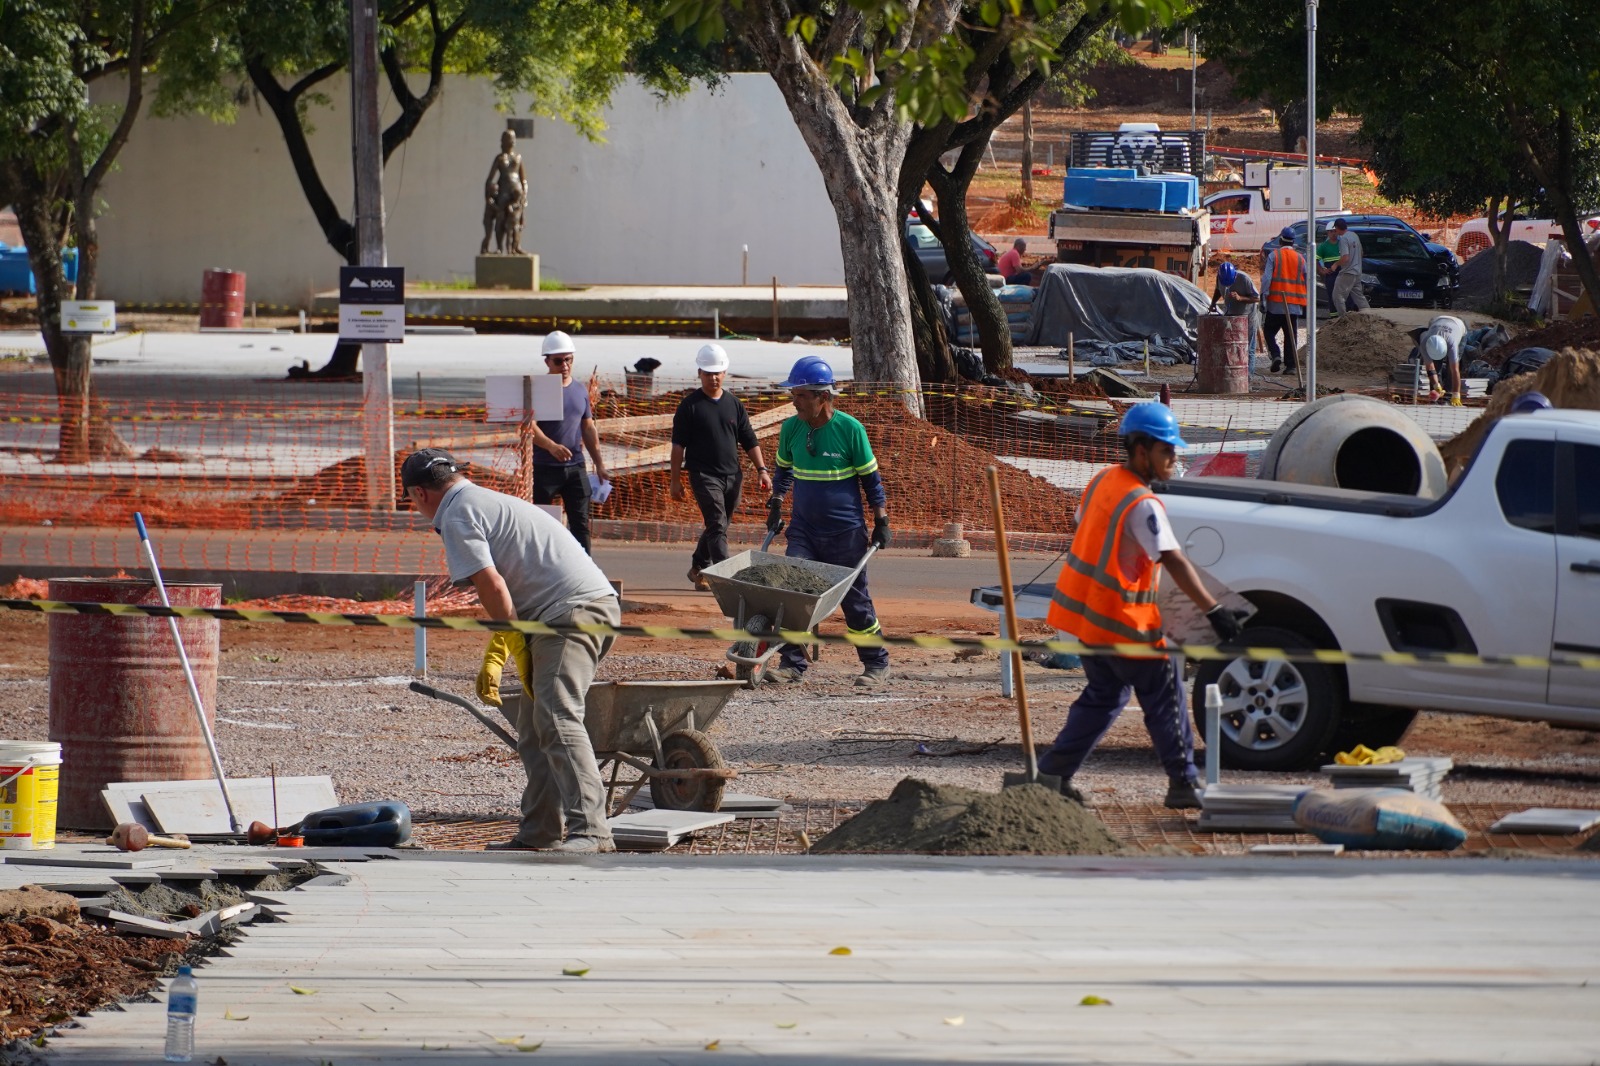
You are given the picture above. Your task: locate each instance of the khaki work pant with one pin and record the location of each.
(564, 788)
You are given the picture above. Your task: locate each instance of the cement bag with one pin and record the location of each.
(1383, 818)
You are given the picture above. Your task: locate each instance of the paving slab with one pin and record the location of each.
(437, 958)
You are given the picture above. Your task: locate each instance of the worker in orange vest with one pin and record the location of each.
(1283, 299)
(1106, 594)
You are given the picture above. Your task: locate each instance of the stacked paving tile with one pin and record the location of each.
(1250, 808)
(1422, 776)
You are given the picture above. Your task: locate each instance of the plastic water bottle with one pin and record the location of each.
(182, 999)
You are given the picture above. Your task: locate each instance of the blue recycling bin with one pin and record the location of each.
(16, 274)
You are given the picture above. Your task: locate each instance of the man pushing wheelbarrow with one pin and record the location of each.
(824, 455)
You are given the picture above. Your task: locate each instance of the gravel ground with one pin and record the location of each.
(335, 702)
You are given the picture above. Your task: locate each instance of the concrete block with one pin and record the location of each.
(107, 859)
(507, 272)
(1553, 820)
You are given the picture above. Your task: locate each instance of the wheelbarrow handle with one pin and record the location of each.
(772, 535)
(466, 705)
(871, 551)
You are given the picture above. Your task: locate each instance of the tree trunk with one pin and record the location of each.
(955, 231)
(859, 151)
(1555, 172)
(1027, 150)
(1499, 233)
(1291, 124)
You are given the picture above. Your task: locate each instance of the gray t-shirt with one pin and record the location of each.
(1452, 329)
(1350, 245)
(1242, 286)
(547, 572)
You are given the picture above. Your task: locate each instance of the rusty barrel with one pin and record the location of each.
(1222, 356)
(119, 704)
(222, 299)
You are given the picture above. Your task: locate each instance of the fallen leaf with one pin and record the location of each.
(787, 1025)
(297, 990)
(960, 1019)
(1094, 1001)
(715, 1045)
(229, 1016)
(575, 972)
(508, 1040)
(528, 1047)
(840, 951)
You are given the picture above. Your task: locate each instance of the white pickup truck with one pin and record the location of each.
(1242, 220)
(1507, 562)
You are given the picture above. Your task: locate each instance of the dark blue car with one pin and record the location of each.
(1400, 267)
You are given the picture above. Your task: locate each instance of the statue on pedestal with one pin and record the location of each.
(505, 196)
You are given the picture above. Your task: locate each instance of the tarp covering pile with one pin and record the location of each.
(1112, 311)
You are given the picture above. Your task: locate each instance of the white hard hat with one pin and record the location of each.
(712, 358)
(556, 343)
(1435, 346)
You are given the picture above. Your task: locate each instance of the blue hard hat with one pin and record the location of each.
(1227, 273)
(1286, 235)
(810, 372)
(1155, 420)
(1530, 402)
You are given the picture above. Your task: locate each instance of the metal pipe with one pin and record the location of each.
(188, 673)
(419, 639)
(1311, 202)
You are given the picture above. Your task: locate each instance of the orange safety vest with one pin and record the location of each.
(1094, 600)
(1288, 286)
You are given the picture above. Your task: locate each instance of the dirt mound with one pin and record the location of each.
(1361, 344)
(1584, 333)
(785, 576)
(1477, 274)
(945, 820)
(1571, 380)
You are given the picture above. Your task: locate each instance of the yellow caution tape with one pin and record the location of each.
(1330, 656)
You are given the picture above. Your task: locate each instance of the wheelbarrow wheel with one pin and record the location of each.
(689, 749)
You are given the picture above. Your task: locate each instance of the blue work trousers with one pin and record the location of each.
(1110, 680)
(840, 549)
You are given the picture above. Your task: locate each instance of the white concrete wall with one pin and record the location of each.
(670, 197)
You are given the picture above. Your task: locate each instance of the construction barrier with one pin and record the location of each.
(1331, 656)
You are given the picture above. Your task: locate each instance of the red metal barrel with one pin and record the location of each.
(222, 299)
(1222, 356)
(119, 704)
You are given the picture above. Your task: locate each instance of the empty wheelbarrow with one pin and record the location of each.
(762, 611)
(654, 727)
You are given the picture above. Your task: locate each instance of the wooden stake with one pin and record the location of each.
(1030, 760)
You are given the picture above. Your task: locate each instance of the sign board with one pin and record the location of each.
(372, 304)
(503, 396)
(88, 316)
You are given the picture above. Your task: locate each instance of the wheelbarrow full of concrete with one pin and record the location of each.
(653, 727)
(763, 610)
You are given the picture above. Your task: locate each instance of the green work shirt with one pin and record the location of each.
(830, 466)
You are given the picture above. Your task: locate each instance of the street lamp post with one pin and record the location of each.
(1311, 200)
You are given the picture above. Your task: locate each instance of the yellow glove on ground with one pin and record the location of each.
(1361, 755)
(503, 646)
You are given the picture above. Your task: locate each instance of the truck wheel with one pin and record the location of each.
(1376, 728)
(1276, 715)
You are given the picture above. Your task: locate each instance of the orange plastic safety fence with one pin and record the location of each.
(288, 478)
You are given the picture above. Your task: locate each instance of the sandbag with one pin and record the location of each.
(1378, 818)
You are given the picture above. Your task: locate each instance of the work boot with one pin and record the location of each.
(1277, 367)
(1182, 796)
(582, 846)
(1070, 791)
(697, 581)
(783, 675)
(873, 677)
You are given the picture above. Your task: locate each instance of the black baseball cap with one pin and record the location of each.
(424, 467)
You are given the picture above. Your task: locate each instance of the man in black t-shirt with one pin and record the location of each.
(709, 429)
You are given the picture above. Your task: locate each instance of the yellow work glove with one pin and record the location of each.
(1455, 401)
(502, 646)
(1360, 755)
(1387, 754)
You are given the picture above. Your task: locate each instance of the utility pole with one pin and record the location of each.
(377, 391)
(1311, 201)
(1194, 81)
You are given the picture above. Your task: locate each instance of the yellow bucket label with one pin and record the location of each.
(28, 808)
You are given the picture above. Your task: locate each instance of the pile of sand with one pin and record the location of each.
(1361, 344)
(1571, 380)
(946, 820)
(1477, 273)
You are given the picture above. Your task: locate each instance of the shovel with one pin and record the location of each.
(1030, 774)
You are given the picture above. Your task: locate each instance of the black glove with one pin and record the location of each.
(774, 514)
(880, 532)
(1226, 624)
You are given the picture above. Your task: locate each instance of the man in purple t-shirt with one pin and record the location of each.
(558, 447)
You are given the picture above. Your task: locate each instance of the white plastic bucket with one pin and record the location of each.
(30, 779)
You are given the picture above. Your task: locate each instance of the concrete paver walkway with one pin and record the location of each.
(435, 959)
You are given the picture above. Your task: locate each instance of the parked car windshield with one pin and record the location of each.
(1392, 245)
